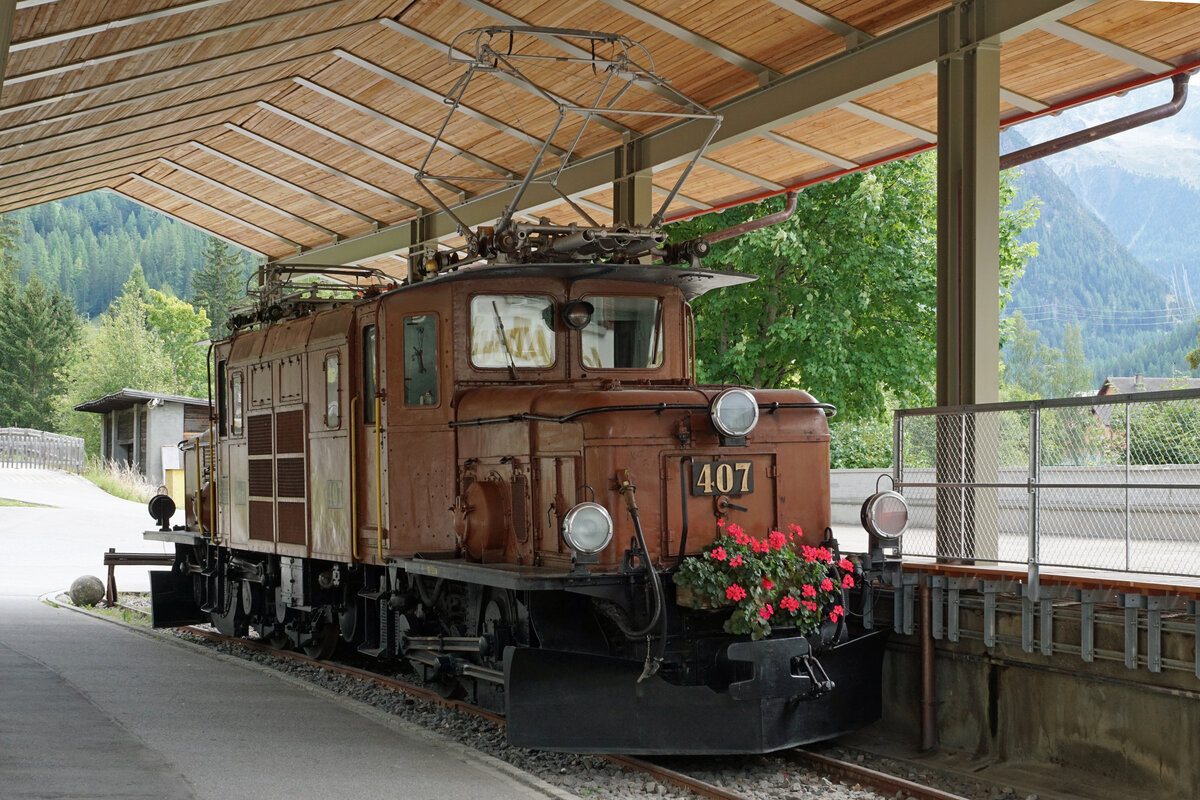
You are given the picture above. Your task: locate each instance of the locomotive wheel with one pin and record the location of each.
(229, 621)
(498, 612)
(323, 642)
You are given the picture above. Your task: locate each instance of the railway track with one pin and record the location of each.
(886, 786)
(836, 770)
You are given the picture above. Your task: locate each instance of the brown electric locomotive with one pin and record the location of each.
(497, 471)
(492, 474)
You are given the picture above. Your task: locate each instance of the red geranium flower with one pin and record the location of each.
(827, 585)
(734, 592)
(809, 604)
(768, 584)
(766, 611)
(808, 590)
(847, 581)
(719, 554)
(736, 561)
(777, 540)
(846, 564)
(790, 603)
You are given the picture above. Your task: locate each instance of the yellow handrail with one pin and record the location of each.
(199, 488)
(212, 480)
(378, 485)
(353, 483)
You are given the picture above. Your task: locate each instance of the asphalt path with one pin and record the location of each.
(46, 546)
(90, 709)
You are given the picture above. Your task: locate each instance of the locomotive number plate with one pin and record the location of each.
(722, 477)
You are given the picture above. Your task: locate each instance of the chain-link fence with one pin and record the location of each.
(1109, 483)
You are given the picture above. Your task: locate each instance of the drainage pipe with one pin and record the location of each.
(755, 224)
(1144, 117)
(928, 690)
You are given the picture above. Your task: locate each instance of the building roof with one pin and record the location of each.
(291, 126)
(127, 398)
(1140, 383)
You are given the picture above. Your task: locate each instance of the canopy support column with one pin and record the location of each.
(968, 315)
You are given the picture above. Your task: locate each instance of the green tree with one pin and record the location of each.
(38, 333)
(1193, 358)
(218, 284)
(845, 304)
(181, 330)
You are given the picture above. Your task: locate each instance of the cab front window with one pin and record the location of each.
(623, 333)
(512, 331)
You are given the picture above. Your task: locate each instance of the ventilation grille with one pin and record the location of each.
(262, 483)
(262, 520)
(290, 435)
(292, 523)
(258, 435)
(291, 476)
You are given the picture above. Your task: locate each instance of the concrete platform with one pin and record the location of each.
(89, 709)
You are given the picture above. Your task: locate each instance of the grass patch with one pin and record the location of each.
(118, 479)
(4, 502)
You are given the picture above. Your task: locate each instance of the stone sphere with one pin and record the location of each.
(87, 591)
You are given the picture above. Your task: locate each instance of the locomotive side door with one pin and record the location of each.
(422, 485)
(369, 413)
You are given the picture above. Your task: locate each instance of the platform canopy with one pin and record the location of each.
(294, 127)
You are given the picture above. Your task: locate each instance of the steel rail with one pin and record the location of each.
(880, 782)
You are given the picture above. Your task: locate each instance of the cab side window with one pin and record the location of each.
(420, 360)
(236, 406)
(368, 374)
(333, 408)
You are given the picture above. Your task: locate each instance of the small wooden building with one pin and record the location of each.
(137, 424)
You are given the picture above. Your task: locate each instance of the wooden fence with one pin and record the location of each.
(22, 447)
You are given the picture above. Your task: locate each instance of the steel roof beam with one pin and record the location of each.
(906, 128)
(168, 43)
(882, 62)
(164, 73)
(765, 74)
(262, 173)
(121, 22)
(249, 198)
(1105, 47)
(214, 210)
(8, 9)
(808, 150)
(42, 194)
(396, 124)
(439, 98)
(188, 222)
(132, 118)
(106, 143)
(691, 201)
(358, 147)
(370, 187)
(748, 177)
(141, 153)
(851, 34)
(442, 47)
(1022, 101)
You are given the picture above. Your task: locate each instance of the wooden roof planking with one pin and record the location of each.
(294, 127)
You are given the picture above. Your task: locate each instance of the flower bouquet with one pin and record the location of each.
(767, 581)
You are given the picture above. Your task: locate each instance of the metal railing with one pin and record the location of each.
(22, 447)
(1096, 483)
